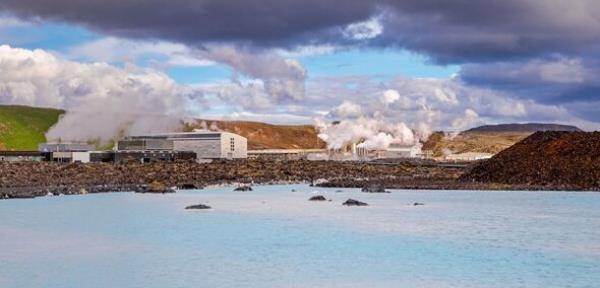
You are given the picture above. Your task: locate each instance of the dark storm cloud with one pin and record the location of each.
(456, 31)
(541, 50)
(260, 22)
(480, 31)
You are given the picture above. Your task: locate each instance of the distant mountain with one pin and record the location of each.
(527, 127)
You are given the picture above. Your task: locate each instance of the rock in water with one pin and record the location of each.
(155, 187)
(243, 188)
(189, 186)
(352, 202)
(318, 198)
(198, 206)
(374, 188)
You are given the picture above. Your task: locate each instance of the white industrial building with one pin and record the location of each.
(468, 156)
(354, 152)
(403, 151)
(206, 145)
(67, 152)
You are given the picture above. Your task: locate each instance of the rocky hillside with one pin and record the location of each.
(487, 138)
(558, 159)
(266, 136)
(485, 142)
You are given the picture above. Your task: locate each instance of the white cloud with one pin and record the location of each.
(390, 96)
(347, 110)
(364, 30)
(283, 78)
(116, 50)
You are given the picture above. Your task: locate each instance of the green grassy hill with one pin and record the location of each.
(23, 128)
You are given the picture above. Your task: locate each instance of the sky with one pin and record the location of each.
(424, 64)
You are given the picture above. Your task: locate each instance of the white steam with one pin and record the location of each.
(393, 120)
(366, 132)
(102, 101)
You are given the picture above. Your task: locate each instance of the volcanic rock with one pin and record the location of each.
(569, 160)
(243, 188)
(352, 202)
(189, 186)
(374, 188)
(156, 187)
(317, 198)
(198, 206)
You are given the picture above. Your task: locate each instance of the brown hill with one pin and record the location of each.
(266, 136)
(485, 142)
(555, 159)
(488, 138)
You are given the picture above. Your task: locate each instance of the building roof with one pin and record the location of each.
(185, 135)
(286, 151)
(65, 147)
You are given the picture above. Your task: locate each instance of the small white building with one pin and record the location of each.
(206, 145)
(403, 151)
(469, 156)
(67, 152)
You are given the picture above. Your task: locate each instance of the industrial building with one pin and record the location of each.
(18, 156)
(206, 145)
(66, 152)
(285, 154)
(148, 156)
(403, 151)
(355, 152)
(468, 156)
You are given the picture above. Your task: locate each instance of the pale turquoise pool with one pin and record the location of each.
(273, 237)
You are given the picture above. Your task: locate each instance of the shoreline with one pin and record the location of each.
(48, 191)
(35, 179)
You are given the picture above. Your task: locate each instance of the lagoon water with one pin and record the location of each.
(272, 237)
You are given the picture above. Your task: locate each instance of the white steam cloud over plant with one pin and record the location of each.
(102, 101)
(371, 131)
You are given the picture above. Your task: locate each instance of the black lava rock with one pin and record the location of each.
(374, 188)
(352, 202)
(198, 206)
(317, 198)
(243, 188)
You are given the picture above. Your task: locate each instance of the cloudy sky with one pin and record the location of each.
(444, 64)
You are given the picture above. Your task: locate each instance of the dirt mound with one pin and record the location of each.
(558, 159)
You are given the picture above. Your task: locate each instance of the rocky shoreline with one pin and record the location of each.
(35, 179)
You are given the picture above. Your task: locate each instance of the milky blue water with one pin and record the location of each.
(272, 237)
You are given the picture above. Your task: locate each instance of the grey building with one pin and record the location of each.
(67, 152)
(65, 147)
(18, 156)
(132, 144)
(206, 145)
(147, 156)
